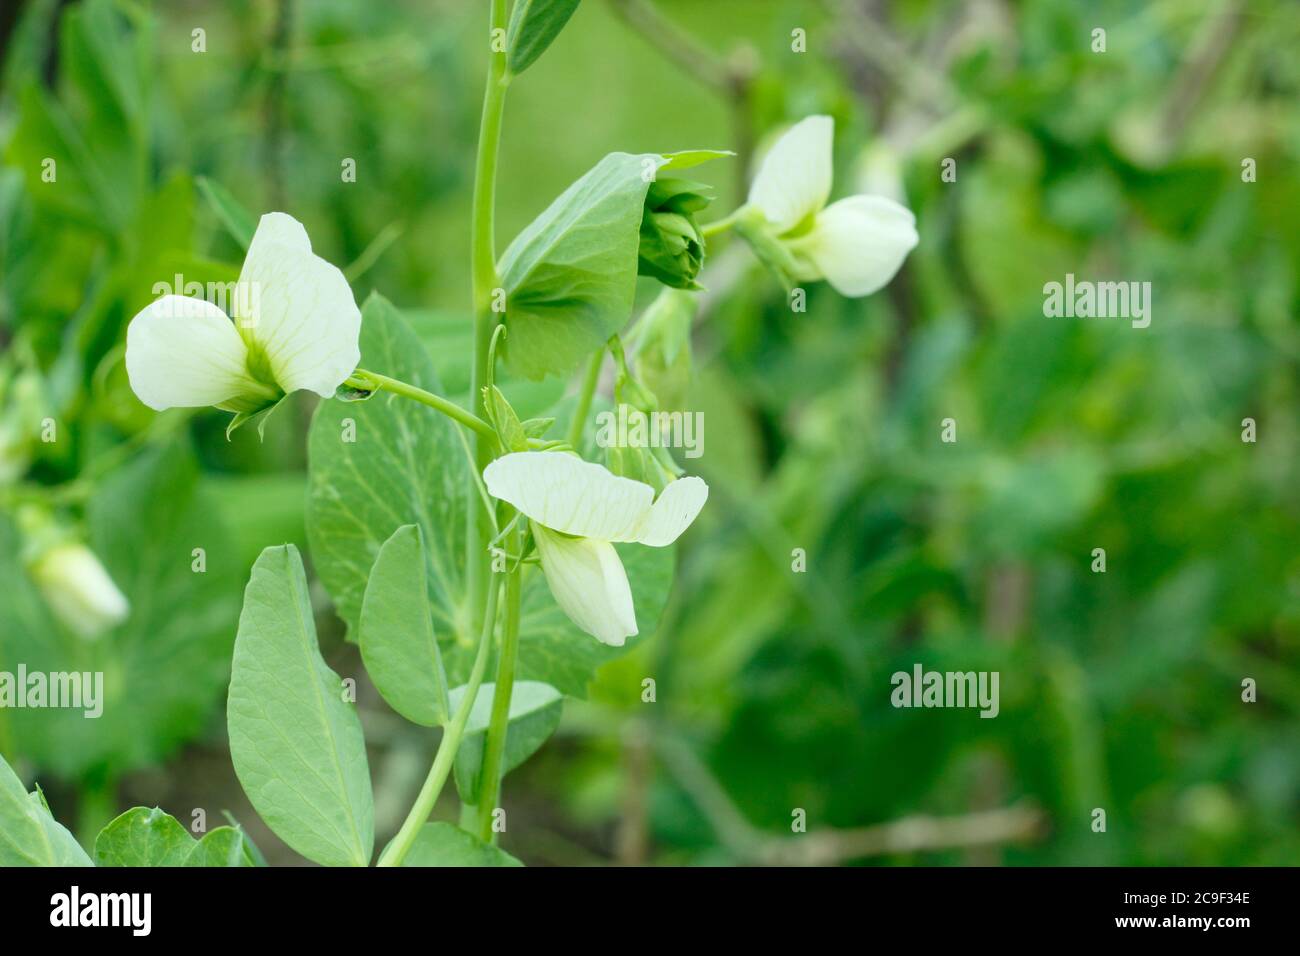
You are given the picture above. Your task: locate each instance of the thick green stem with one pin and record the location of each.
(495, 746)
(443, 760)
(485, 282)
(587, 390)
(373, 381)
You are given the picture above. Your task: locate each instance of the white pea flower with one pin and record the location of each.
(856, 244)
(78, 589)
(577, 509)
(296, 326)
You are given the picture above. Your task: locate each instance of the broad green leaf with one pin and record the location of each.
(222, 847)
(441, 844)
(149, 837)
(164, 668)
(296, 743)
(534, 25)
(378, 465)
(570, 276)
(144, 837)
(29, 835)
(534, 714)
(396, 635)
(239, 222)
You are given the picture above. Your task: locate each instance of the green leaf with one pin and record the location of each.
(570, 276)
(441, 844)
(149, 837)
(254, 854)
(503, 418)
(222, 847)
(537, 427)
(396, 634)
(144, 837)
(534, 714)
(165, 668)
(295, 742)
(239, 222)
(29, 835)
(686, 158)
(404, 466)
(534, 25)
(257, 418)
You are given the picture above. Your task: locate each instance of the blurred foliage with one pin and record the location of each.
(1119, 690)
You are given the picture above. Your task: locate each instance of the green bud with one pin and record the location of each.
(639, 464)
(672, 247)
(69, 576)
(663, 352)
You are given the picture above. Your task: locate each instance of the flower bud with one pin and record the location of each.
(78, 589)
(672, 248)
(23, 404)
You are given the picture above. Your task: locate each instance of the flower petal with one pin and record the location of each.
(587, 580)
(298, 308)
(677, 506)
(185, 353)
(279, 228)
(794, 180)
(568, 494)
(859, 243)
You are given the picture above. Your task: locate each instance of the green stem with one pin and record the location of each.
(710, 229)
(96, 806)
(485, 281)
(447, 748)
(585, 394)
(373, 382)
(495, 745)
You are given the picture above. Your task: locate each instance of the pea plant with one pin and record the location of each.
(485, 563)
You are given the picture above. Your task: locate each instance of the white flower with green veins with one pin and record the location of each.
(856, 244)
(296, 326)
(578, 509)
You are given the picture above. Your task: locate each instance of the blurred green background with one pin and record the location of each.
(1119, 690)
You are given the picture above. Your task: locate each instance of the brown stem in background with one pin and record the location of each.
(1209, 49)
(675, 43)
(1021, 822)
(276, 92)
(632, 841)
(732, 77)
